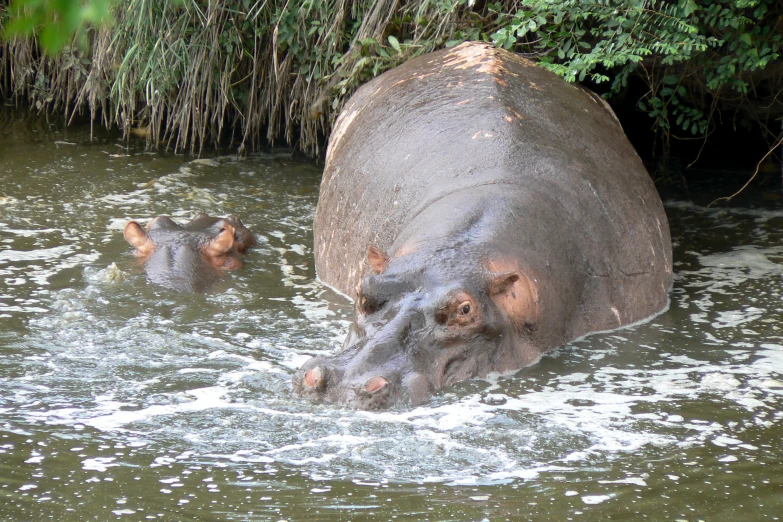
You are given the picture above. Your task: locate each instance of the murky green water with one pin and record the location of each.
(122, 400)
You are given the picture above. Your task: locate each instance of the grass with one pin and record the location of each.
(188, 74)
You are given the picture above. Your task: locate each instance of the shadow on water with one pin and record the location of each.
(119, 399)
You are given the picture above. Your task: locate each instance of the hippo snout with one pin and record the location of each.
(312, 378)
(315, 379)
(319, 381)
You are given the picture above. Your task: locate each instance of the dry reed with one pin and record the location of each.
(191, 74)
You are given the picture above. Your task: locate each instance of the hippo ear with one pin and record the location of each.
(516, 295)
(137, 237)
(377, 259)
(244, 239)
(500, 283)
(221, 243)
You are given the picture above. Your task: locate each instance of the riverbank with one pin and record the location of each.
(240, 75)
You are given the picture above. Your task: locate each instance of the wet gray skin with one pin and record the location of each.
(417, 329)
(189, 257)
(489, 212)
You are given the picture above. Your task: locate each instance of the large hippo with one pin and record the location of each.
(482, 211)
(189, 257)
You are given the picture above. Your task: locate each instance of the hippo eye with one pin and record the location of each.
(369, 305)
(459, 311)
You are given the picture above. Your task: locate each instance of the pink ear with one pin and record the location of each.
(137, 237)
(502, 282)
(377, 259)
(515, 294)
(223, 242)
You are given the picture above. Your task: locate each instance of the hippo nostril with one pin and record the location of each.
(375, 384)
(315, 378)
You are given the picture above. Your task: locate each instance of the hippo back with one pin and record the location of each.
(472, 117)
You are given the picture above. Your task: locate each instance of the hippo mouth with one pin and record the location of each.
(320, 382)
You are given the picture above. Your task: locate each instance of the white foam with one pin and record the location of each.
(99, 464)
(205, 399)
(39, 254)
(595, 499)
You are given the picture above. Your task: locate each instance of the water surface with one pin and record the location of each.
(119, 399)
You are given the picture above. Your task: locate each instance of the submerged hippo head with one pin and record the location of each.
(423, 322)
(189, 257)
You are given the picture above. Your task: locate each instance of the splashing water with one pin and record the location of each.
(120, 397)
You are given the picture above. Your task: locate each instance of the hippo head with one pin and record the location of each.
(423, 322)
(189, 257)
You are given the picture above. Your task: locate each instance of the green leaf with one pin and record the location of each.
(671, 79)
(688, 7)
(394, 43)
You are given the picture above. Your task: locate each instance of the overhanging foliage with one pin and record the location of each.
(188, 73)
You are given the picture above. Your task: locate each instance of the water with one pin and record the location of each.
(119, 399)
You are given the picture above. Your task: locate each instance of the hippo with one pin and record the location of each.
(189, 257)
(482, 211)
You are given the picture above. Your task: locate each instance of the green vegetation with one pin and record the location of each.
(56, 22)
(188, 73)
(696, 58)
